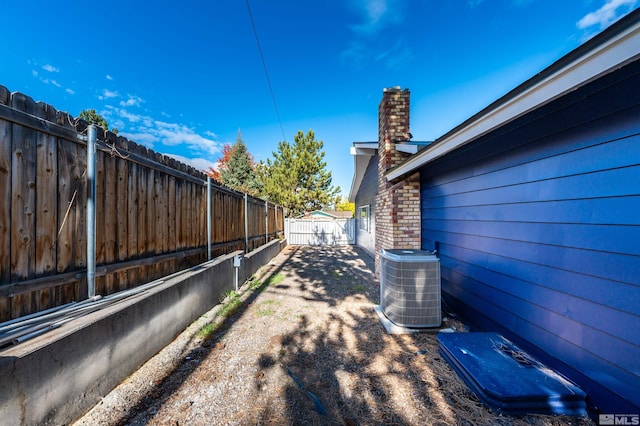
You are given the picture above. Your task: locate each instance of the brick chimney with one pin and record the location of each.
(397, 210)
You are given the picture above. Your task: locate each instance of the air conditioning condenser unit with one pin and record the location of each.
(410, 288)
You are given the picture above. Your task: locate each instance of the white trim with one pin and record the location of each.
(604, 58)
(362, 153)
(367, 219)
(409, 149)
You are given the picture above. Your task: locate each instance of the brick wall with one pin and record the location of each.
(397, 209)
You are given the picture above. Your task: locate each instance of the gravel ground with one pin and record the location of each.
(303, 347)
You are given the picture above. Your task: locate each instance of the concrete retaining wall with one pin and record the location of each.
(55, 378)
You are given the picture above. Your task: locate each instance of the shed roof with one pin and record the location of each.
(329, 214)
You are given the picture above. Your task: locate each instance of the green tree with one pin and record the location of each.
(92, 117)
(297, 177)
(239, 172)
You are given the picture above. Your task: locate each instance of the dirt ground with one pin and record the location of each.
(303, 347)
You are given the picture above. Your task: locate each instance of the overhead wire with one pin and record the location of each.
(266, 72)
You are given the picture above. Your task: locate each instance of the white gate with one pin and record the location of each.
(320, 232)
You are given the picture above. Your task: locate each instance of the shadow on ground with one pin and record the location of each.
(328, 360)
(148, 406)
(347, 371)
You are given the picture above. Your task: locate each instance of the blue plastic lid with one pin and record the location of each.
(508, 379)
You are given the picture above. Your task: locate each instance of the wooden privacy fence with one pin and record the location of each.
(151, 211)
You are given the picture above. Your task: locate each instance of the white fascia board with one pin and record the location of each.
(409, 149)
(366, 148)
(361, 152)
(607, 57)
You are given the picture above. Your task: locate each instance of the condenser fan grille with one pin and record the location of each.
(410, 288)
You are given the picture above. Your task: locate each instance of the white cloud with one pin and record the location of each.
(50, 68)
(133, 118)
(34, 73)
(52, 82)
(70, 91)
(149, 132)
(108, 77)
(607, 14)
(178, 134)
(106, 94)
(142, 138)
(199, 163)
(132, 101)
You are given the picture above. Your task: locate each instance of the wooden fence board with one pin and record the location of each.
(122, 208)
(80, 239)
(132, 222)
(109, 241)
(150, 214)
(46, 207)
(23, 203)
(141, 220)
(5, 213)
(172, 219)
(5, 194)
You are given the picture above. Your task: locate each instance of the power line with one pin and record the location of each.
(266, 73)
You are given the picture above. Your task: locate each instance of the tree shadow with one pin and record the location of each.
(145, 409)
(349, 366)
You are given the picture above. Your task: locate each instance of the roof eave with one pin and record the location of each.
(362, 152)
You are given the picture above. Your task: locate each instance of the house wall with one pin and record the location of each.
(367, 196)
(538, 230)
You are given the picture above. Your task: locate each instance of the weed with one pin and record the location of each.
(271, 302)
(231, 304)
(228, 295)
(275, 279)
(254, 284)
(265, 312)
(206, 330)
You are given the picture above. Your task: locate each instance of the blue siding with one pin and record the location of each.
(538, 226)
(367, 196)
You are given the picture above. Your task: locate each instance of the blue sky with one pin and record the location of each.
(183, 77)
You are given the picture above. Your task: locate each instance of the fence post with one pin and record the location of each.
(208, 217)
(91, 210)
(275, 214)
(246, 223)
(266, 221)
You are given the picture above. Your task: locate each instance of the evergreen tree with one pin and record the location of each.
(92, 117)
(297, 177)
(239, 172)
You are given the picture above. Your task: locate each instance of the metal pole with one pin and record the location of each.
(266, 221)
(208, 217)
(246, 223)
(91, 210)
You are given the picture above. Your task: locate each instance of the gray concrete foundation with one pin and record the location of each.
(55, 378)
